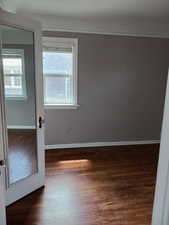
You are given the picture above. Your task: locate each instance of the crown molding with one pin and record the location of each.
(6, 5)
(2, 4)
(116, 27)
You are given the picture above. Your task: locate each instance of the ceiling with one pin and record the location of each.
(103, 13)
(140, 10)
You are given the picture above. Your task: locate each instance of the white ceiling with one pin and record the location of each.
(99, 14)
(140, 10)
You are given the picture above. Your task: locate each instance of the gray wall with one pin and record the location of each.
(22, 112)
(121, 89)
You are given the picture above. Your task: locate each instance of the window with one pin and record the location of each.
(60, 72)
(14, 73)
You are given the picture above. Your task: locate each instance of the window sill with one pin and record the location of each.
(16, 98)
(75, 106)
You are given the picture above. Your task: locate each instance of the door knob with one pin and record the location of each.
(41, 121)
(2, 162)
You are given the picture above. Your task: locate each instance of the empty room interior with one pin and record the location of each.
(83, 105)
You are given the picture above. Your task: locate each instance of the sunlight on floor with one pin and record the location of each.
(75, 164)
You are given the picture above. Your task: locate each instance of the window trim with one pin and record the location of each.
(67, 43)
(23, 76)
(63, 106)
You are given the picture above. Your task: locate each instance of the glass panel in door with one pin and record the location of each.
(20, 102)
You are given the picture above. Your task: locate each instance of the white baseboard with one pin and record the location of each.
(101, 144)
(21, 127)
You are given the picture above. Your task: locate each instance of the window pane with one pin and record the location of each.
(58, 90)
(14, 72)
(12, 65)
(8, 81)
(57, 62)
(18, 81)
(13, 86)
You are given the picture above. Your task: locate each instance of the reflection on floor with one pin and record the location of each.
(94, 186)
(22, 153)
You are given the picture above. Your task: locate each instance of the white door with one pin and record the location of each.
(22, 105)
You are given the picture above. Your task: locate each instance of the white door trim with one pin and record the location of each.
(2, 199)
(2, 156)
(161, 200)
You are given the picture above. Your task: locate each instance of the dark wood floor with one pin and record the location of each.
(97, 186)
(22, 154)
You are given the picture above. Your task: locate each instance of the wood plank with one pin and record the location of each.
(92, 186)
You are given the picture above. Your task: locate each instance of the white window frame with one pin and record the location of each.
(67, 43)
(19, 52)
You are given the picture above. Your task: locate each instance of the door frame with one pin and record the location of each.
(2, 199)
(161, 199)
(38, 179)
(2, 156)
